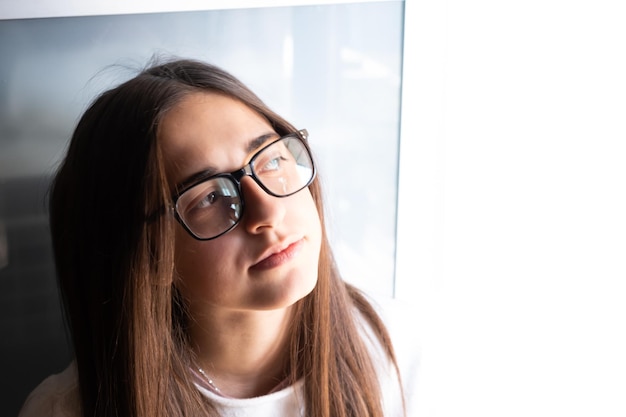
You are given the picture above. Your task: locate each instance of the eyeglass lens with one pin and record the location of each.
(214, 206)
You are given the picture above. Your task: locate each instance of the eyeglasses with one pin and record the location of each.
(211, 207)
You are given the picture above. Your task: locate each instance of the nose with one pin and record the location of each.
(262, 211)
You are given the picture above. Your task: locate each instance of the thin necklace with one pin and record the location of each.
(209, 380)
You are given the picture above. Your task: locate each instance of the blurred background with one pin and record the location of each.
(472, 152)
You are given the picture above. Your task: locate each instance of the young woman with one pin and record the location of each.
(194, 267)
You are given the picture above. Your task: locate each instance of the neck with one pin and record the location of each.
(245, 354)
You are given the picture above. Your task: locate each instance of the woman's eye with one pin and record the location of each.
(208, 200)
(273, 164)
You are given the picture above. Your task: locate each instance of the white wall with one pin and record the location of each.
(512, 224)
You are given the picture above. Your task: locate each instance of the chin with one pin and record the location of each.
(286, 294)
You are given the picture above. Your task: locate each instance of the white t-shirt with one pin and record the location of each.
(58, 395)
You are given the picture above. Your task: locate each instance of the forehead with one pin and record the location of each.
(208, 131)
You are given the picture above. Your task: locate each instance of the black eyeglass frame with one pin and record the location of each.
(236, 177)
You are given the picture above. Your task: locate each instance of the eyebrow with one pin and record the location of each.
(254, 144)
(209, 171)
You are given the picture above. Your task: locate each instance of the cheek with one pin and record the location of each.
(195, 261)
(314, 232)
(308, 215)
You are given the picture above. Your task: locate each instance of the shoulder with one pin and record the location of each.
(56, 396)
(399, 317)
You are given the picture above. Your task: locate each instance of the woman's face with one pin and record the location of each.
(270, 259)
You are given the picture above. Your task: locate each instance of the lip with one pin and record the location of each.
(278, 255)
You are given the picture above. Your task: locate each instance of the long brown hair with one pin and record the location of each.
(113, 246)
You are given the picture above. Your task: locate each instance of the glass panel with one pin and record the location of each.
(334, 70)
